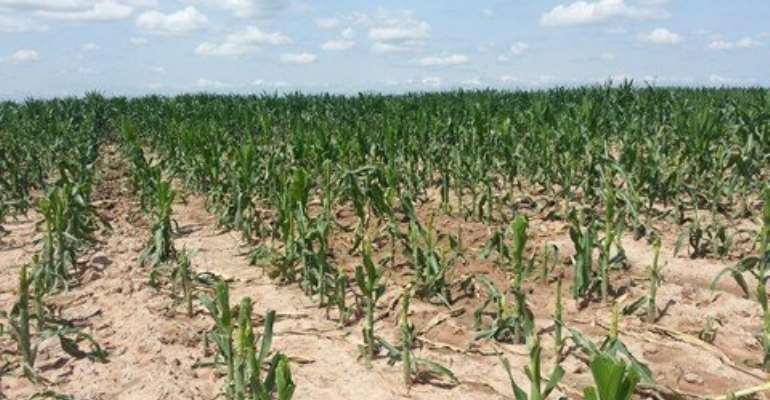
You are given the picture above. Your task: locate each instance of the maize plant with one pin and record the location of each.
(20, 328)
(517, 270)
(558, 322)
(248, 382)
(584, 279)
(431, 265)
(69, 223)
(368, 276)
(240, 356)
(413, 366)
(507, 321)
(613, 229)
(160, 248)
(68, 335)
(613, 379)
(759, 267)
(612, 347)
(533, 371)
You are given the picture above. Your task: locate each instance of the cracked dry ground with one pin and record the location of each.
(154, 347)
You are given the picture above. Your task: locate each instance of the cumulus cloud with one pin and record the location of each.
(592, 12)
(434, 81)
(442, 61)
(661, 36)
(519, 48)
(298, 58)
(23, 56)
(242, 42)
(89, 47)
(328, 23)
(745, 43)
(213, 84)
(10, 24)
(83, 11)
(338, 44)
(397, 31)
(186, 20)
(252, 8)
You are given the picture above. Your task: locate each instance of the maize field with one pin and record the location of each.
(604, 243)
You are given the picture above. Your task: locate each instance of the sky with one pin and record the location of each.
(134, 47)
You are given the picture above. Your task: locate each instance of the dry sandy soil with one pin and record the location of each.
(153, 346)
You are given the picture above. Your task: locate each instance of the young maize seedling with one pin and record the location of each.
(613, 379)
(412, 366)
(533, 372)
(19, 326)
(222, 335)
(610, 233)
(612, 347)
(339, 297)
(656, 277)
(506, 320)
(185, 280)
(709, 332)
(431, 267)
(160, 248)
(368, 278)
(69, 223)
(558, 322)
(584, 240)
(759, 267)
(517, 270)
(248, 383)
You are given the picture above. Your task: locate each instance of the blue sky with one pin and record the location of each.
(68, 47)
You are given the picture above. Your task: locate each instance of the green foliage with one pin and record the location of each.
(613, 379)
(413, 366)
(508, 323)
(368, 278)
(533, 371)
(243, 358)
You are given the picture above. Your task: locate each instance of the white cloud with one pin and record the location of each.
(85, 11)
(509, 79)
(242, 42)
(434, 81)
(209, 83)
(383, 48)
(157, 69)
(591, 12)
(276, 84)
(347, 33)
(89, 47)
(745, 43)
(328, 23)
(337, 45)
(488, 12)
(45, 5)
(662, 36)
(87, 71)
(401, 31)
(251, 8)
(23, 56)
(138, 41)
(10, 24)
(441, 61)
(475, 81)
(519, 48)
(298, 58)
(183, 21)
